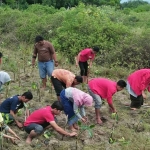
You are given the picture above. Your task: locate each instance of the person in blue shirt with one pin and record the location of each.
(10, 107)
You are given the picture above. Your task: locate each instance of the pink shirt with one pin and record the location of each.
(139, 80)
(103, 87)
(40, 116)
(64, 76)
(86, 54)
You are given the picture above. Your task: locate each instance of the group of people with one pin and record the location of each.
(69, 99)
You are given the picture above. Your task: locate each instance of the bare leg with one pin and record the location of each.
(98, 119)
(44, 83)
(76, 126)
(84, 79)
(72, 128)
(31, 136)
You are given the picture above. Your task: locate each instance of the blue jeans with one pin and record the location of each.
(46, 68)
(33, 126)
(68, 109)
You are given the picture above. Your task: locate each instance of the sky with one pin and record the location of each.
(122, 1)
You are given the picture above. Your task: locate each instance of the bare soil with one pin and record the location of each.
(130, 131)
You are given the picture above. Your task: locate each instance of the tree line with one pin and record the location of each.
(23, 4)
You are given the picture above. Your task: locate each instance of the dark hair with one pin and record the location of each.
(38, 38)
(28, 95)
(58, 105)
(79, 79)
(1, 54)
(121, 83)
(96, 49)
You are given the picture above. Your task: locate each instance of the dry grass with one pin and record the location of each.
(135, 133)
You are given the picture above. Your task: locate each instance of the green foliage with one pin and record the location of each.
(85, 127)
(121, 36)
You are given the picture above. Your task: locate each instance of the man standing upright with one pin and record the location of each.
(46, 58)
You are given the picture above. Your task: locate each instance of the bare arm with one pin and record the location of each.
(60, 130)
(34, 56)
(112, 109)
(13, 133)
(144, 95)
(55, 60)
(20, 125)
(77, 58)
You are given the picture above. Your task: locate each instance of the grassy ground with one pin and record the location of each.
(130, 131)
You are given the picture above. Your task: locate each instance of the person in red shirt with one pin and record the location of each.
(137, 82)
(83, 57)
(1, 55)
(42, 119)
(102, 88)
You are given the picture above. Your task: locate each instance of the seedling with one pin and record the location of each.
(84, 128)
(145, 115)
(47, 134)
(115, 116)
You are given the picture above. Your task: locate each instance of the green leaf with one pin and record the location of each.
(92, 126)
(46, 136)
(90, 133)
(79, 123)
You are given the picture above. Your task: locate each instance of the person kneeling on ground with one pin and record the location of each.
(101, 88)
(73, 99)
(42, 119)
(7, 129)
(10, 107)
(62, 78)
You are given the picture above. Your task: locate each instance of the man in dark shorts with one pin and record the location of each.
(62, 78)
(83, 57)
(137, 82)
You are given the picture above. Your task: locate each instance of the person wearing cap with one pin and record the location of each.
(137, 83)
(46, 58)
(82, 61)
(102, 88)
(62, 78)
(3, 126)
(73, 101)
(42, 119)
(10, 107)
(4, 78)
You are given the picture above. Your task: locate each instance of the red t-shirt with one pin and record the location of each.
(104, 88)
(139, 80)
(40, 116)
(86, 54)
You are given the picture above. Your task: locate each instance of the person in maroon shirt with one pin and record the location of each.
(46, 58)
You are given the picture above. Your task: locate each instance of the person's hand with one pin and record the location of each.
(84, 120)
(112, 110)
(144, 95)
(56, 63)
(33, 63)
(19, 124)
(17, 137)
(77, 64)
(73, 134)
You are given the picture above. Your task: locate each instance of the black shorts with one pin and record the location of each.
(58, 85)
(136, 102)
(83, 68)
